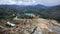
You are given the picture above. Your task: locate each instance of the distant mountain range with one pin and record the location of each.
(45, 11)
(24, 6)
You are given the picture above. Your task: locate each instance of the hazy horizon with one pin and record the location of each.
(30, 2)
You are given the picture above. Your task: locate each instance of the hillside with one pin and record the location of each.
(44, 11)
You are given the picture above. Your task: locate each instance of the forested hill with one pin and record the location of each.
(43, 11)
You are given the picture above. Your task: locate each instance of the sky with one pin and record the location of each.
(30, 2)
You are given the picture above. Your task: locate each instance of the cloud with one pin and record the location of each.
(50, 2)
(7, 2)
(31, 2)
